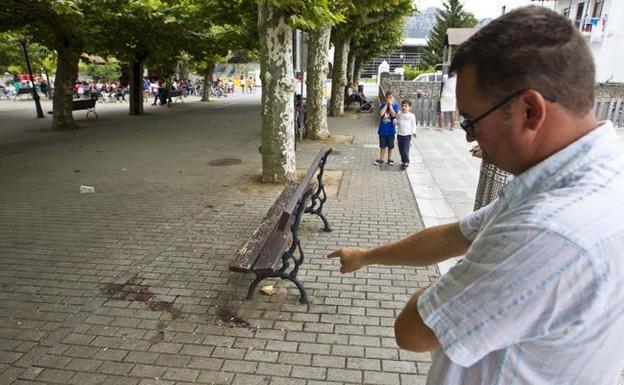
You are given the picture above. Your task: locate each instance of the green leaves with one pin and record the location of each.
(308, 14)
(452, 16)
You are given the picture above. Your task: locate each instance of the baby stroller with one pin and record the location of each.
(365, 104)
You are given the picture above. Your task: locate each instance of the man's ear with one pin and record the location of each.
(533, 106)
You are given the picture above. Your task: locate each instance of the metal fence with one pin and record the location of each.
(610, 109)
(426, 111)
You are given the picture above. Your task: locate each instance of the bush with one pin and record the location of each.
(109, 72)
(412, 72)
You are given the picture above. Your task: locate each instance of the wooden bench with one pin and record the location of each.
(177, 94)
(274, 249)
(85, 104)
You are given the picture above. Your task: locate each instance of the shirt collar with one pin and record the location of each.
(599, 142)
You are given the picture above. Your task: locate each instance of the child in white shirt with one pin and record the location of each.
(406, 124)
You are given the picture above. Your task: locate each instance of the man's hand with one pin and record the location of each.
(351, 258)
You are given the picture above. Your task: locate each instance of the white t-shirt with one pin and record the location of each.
(406, 123)
(448, 90)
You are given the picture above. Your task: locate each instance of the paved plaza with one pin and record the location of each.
(130, 285)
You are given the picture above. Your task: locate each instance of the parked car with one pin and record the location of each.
(429, 77)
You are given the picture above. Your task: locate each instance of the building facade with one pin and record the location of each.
(600, 21)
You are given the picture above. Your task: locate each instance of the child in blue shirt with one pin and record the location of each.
(387, 131)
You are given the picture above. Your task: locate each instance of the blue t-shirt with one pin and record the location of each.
(386, 123)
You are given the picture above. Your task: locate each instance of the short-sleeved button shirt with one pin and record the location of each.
(386, 122)
(539, 297)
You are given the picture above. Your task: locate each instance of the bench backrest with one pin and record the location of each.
(83, 104)
(25, 91)
(289, 210)
(260, 248)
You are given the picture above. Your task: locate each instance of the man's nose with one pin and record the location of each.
(470, 137)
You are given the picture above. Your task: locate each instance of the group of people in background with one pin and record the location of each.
(246, 85)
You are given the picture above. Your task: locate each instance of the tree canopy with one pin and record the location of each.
(452, 16)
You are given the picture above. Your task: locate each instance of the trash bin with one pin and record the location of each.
(491, 180)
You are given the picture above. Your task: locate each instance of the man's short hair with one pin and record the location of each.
(531, 47)
(389, 93)
(406, 101)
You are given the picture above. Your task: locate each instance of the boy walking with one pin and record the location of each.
(406, 124)
(386, 129)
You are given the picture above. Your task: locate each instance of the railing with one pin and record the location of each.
(426, 109)
(610, 109)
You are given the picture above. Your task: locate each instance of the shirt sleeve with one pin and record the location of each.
(413, 120)
(470, 225)
(515, 284)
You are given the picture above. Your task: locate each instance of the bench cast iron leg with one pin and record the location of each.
(254, 285)
(303, 295)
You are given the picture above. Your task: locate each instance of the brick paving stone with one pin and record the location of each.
(413, 379)
(274, 369)
(287, 381)
(248, 379)
(141, 370)
(142, 357)
(344, 375)
(381, 378)
(308, 372)
(55, 376)
(180, 374)
(156, 221)
(87, 379)
(240, 366)
(116, 367)
(363, 363)
(84, 365)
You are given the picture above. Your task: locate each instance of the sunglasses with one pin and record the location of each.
(468, 124)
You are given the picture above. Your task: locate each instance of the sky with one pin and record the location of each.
(480, 8)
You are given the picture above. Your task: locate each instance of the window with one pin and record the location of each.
(579, 15)
(566, 13)
(597, 9)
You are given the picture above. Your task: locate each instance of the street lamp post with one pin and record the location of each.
(32, 79)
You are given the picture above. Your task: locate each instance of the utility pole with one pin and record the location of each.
(32, 79)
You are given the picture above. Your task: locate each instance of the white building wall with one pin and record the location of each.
(611, 38)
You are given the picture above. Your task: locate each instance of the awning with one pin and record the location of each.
(456, 36)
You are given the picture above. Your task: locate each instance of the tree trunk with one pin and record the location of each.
(317, 69)
(49, 85)
(136, 87)
(357, 69)
(207, 82)
(66, 75)
(350, 65)
(339, 80)
(278, 88)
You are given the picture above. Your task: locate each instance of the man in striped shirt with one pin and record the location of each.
(539, 296)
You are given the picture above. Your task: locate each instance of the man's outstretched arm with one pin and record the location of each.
(423, 248)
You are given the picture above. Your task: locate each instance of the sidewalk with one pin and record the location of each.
(175, 197)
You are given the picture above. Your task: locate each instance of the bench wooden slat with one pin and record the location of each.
(83, 104)
(270, 258)
(303, 186)
(248, 253)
